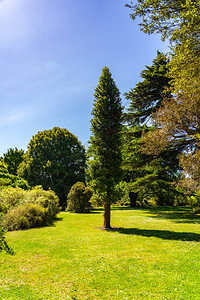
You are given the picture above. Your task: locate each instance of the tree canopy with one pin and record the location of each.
(13, 158)
(55, 159)
(177, 121)
(148, 176)
(148, 94)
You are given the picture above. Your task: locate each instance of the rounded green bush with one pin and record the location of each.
(27, 209)
(47, 199)
(78, 198)
(25, 216)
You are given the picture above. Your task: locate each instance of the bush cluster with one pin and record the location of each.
(25, 216)
(27, 209)
(79, 198)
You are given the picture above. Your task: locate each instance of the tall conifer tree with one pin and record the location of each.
(105, 142)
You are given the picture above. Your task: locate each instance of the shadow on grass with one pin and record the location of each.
(176, 214)
(162, 234)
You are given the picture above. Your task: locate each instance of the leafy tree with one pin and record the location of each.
(177, 121)
(105, 142)
(55, 159)
(176, 20)
(78, 198)
(13, 158)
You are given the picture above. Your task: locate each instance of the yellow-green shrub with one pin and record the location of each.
(27, 209)
(10, 197)
(25, 216)
(47, 199)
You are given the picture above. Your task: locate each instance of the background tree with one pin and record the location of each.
(148, 176)
(176, 20)
(148, 94)
(105, 142)
(177, 122)
(55, 159)
(13, 158)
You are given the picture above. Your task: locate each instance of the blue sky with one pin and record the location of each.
(51, 57)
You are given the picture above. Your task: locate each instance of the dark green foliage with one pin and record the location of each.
(79, 198)
(13, 159)
(105, 143)
(7, 179)
(55, 159)
(149, 177)
(147, 96)
(3, 244)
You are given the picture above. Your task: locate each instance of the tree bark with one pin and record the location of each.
(133, 199)
(106, 224)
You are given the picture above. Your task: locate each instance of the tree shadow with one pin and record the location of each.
(162, 234)
(176, 214)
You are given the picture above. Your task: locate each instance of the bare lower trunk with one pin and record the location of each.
(106, 224)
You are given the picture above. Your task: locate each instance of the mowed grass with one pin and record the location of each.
(152, 254)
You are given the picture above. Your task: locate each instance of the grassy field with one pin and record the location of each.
(154, 253)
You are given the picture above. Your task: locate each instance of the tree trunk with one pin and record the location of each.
(133, 199)
(106, 224)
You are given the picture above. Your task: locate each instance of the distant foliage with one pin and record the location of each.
(194, 201)
(79, 198)
(7, 179)
(27, 209)
(96, 200)
(13, 158)
(55, 159)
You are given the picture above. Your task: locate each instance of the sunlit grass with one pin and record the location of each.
(153, 253)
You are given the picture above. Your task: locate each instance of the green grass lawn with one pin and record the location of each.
(154, 253)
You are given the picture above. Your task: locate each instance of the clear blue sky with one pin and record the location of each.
(51, 57)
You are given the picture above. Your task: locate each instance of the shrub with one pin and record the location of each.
(194, 201)
(20, 212)
(10, 197)
(47, 199)
(78, 198)
(25, 216)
